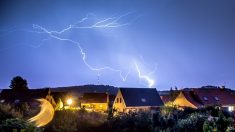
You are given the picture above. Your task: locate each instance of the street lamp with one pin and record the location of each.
(69, 101)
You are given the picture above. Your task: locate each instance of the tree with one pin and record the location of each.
(18, 83)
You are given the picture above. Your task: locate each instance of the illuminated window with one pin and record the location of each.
(143, 99)
(216, 98)
(205, 98)
(230, 108)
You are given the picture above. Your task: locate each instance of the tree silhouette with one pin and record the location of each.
(18, 83)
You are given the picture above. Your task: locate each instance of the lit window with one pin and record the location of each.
(230, 108)
(143, 99)
(205, 98)
(216, 98)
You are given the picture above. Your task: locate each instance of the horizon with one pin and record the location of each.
(166, 89)
(159, 44)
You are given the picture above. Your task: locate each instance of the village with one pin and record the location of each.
(101, 98)
(112, 102)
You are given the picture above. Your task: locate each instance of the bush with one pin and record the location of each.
(220, 123)
(132, 122)
(7, 111)
(17, 124)
(166, 119)
(193, 123)
(209, 125)
(72, 121)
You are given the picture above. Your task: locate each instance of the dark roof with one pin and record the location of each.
(192, 98)
(166, 98)
(10, 96)
(165, 92)
(210, 96)
(94, 98)
(80, 90)
(141, 97)
(215, 96)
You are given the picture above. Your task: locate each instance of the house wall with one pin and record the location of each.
(119, 106)
(96, 106)
(229, 107)
(182, 101)
(141, 108)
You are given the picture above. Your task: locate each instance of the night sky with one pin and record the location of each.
(179, 43)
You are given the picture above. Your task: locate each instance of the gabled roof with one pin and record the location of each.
(135, 97)
(209, 96)
(168, 96)
(80, 90)
(10, 95)
(94, 98)
(192, 98)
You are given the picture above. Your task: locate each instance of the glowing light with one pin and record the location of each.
(230, 108)
(145, 77)
(45, 115)
(69, 101)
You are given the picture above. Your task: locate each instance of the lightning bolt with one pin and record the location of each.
(145, 77)
(50, 33)
(111, 22)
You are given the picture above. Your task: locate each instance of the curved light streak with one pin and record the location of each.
(45, 115)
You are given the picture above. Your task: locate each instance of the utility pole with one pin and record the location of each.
(98, 78)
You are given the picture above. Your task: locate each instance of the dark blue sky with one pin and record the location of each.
(188, 43)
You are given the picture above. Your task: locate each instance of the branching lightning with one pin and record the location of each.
(123, 77)
(111, 22)
(145, 77)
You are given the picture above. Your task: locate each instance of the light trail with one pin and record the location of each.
(45, 115)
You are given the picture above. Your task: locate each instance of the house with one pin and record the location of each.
(78, 91)
(168, 96)
(29, 96)
(95, 101)
(206, 96)
(137, 99)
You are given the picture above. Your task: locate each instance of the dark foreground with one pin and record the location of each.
(167, 119)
